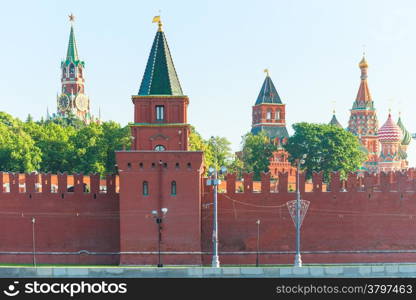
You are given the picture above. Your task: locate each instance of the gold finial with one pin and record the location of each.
(363, 63)
(266, 71)
(156, 19)
(71, 18)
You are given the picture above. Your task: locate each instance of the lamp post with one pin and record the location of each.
(258, 242)
(33, 241)
(298, 259)
(158, 216)
(213, 173)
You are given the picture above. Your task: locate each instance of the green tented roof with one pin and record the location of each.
(72, 52)
(334, 121)
(160, 76)
(268, 93)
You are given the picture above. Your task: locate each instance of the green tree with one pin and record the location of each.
(328, 148)
(114, 138)
(18, 152)
(218, 152)
(53, 140)
(256, 154)
(89, 151)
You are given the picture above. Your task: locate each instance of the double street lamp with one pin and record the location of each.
(298, 259)
(158, 216)
(213, 173)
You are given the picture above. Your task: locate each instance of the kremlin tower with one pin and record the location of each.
(72, 99)
(334, 121)
(363, 121)
(159, 174)
(269, 115)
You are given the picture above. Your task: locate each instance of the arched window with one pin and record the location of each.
(71, 70)
(160, 112)
(173, 188)
(160, 148)
(145, 188)
(269, 115)
(64, 72)
(277, 115)
(80, 72)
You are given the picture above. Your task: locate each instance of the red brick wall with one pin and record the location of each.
(374, 214)
(66, 222)
(377, 213)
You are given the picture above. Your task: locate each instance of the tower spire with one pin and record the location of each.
(73, 98)
(72, 52)
(363, 94)
(160, 76)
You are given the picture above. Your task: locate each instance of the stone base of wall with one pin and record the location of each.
(312, 271)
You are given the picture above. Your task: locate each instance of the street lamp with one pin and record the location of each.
(258, 242)
(298, 259)
(158, 216)
(213, 173)
(33, 241)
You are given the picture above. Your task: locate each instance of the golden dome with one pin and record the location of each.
(363, 63)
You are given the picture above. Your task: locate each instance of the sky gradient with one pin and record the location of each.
(220, 49)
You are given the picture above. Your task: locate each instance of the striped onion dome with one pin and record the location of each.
(389, 132)
(406, 136)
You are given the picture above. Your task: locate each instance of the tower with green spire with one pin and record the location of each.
(160, 119)
(72, 100)
(269, 116)
(269, 112)
(159, 175)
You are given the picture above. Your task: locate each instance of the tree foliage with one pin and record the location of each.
(328, 148)
(256, 154)
(60, 145)
(217, 151)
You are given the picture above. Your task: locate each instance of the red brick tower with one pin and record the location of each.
(158, 172)
(269, 115)
(72, 98)
(363, 121)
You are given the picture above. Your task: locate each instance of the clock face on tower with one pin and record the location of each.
(81, 101)
(63, 102)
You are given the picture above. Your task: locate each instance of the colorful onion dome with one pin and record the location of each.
(389, 132)
(407, 137)
(363, 63)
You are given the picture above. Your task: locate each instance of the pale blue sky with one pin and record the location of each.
(220, 48)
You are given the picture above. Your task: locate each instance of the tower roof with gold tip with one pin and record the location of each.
(160, 76)
(364, 99)
(268, 92)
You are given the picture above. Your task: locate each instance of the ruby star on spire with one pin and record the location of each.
(71, 18)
